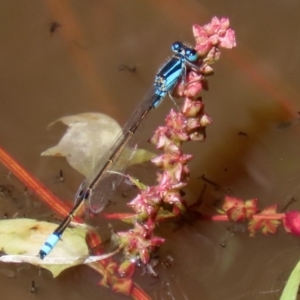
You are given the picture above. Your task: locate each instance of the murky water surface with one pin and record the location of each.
(67, 57)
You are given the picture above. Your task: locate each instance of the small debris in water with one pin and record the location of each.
(6, 189)
(25, 191)
(285, 125)
(241, 133)
(288, 204)
(229, 234)
(54, 26)
(200, 198)
(33, 287)
(15, 215)
(129, 68)
(205, 179)
(61, 175)
(168, 262)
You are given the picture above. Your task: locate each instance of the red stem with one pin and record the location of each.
(222, 218)
(118, 216)
(36, 186)
(269, 216)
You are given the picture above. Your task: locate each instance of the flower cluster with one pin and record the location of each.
(157, 203)
(291, 222)
(267, 220)
(212, 36)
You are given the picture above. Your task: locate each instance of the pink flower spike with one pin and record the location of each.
(228, 40)
(191, 108)
(230, 202)
(193, 85)
(224, 25)
(292, 222)
(158, 160)
(198, 136)
(166, 200)
(126, 269)
(168, 160)
(205, 120)
(203, 44)
(157, 241)
(175, 120)
(213, 27)
(213, 55)
(173, 197)
(199, 31)
(216, 33)
(234, 209)
(193, 123)
(206, 69)
(159, 137)
(217, 26)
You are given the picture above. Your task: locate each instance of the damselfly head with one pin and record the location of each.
(189, 53)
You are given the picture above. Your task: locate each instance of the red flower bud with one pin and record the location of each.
(292, 222)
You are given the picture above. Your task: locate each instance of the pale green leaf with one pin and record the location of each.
(21, 240)
(88, 137)
(26, 236)
(290, 290)
(140, 156)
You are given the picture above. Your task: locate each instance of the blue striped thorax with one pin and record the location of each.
(169, 75)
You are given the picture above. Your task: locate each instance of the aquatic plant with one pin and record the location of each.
(155, 204)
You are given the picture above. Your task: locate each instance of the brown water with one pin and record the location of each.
(74, 69)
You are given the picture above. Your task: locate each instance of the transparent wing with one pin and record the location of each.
(105, 177)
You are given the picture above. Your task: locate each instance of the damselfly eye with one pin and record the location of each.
(191, 54)
(177, 47)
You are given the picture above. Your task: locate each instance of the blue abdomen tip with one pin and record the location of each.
(49, 245)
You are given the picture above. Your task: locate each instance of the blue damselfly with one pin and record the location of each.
(96, 188)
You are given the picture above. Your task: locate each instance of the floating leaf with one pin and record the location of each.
(26, 236)
(21, 239)
(88, 137)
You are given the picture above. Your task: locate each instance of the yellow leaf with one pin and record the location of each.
(26, 236)
(88, 137)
